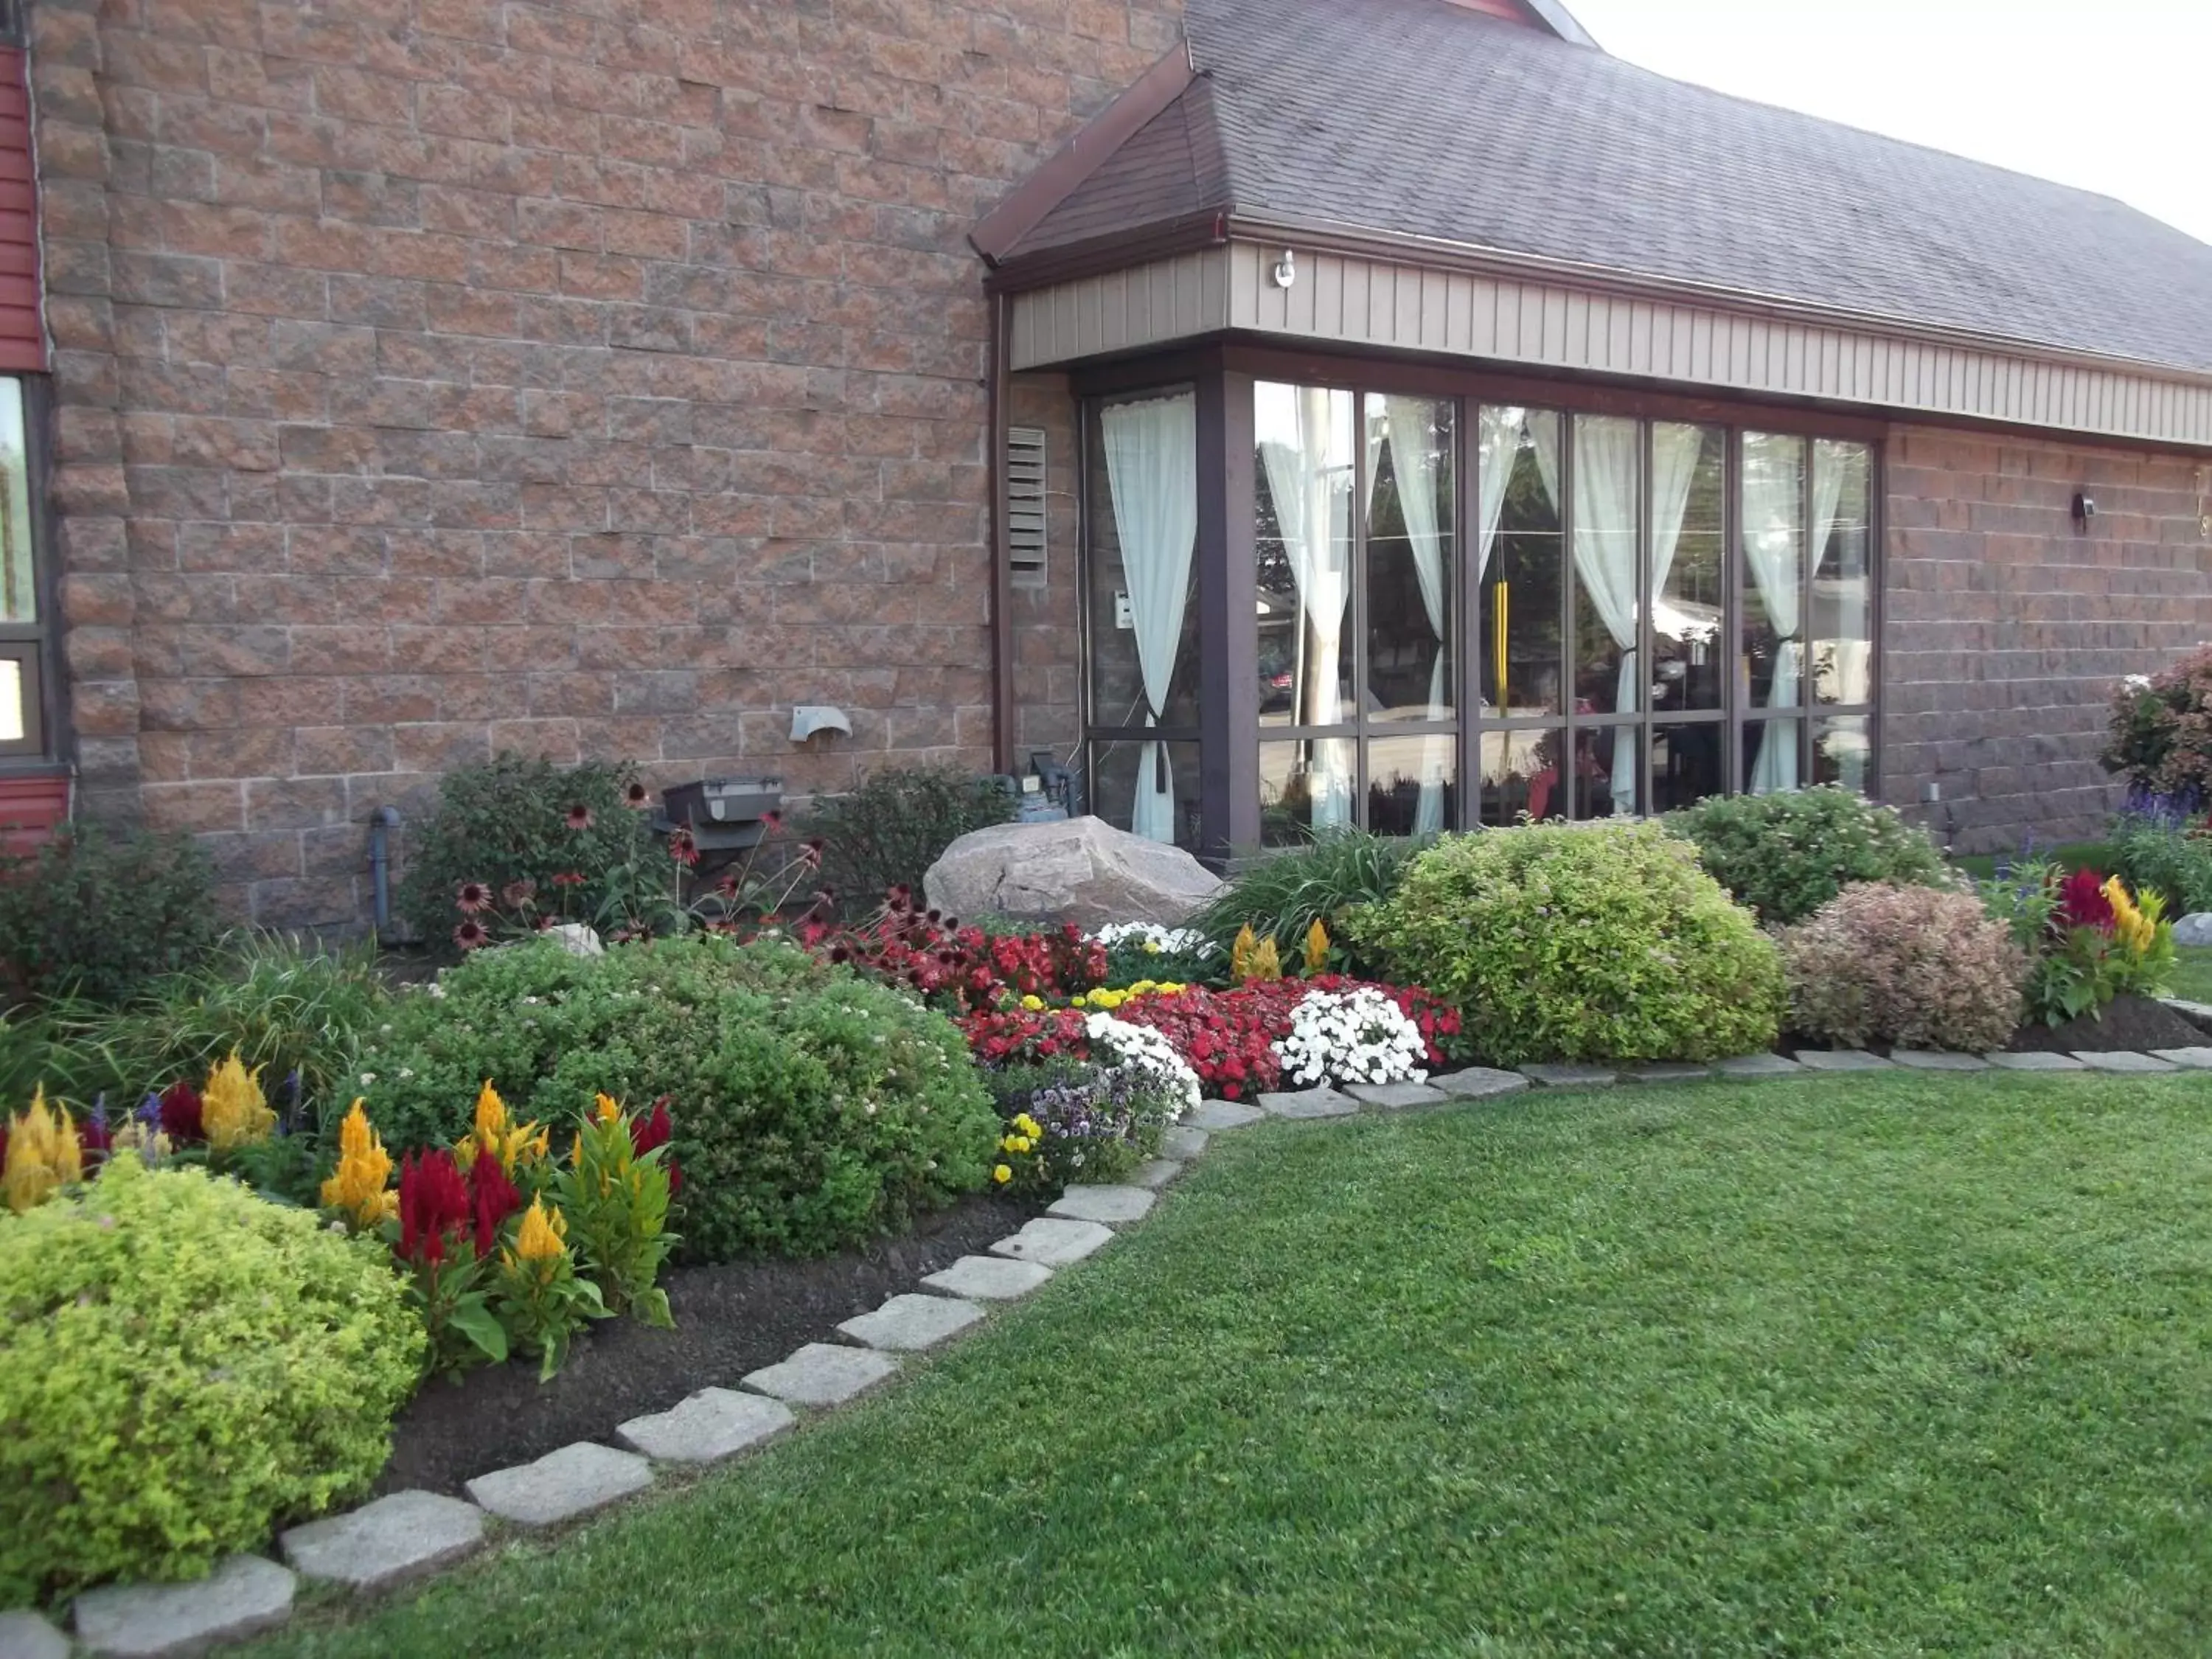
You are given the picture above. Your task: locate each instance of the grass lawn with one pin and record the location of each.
(2074, 855)
(1868, 1366)
(2193, 976)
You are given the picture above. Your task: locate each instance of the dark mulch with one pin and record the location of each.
(2136, 1023)
(729, 1320)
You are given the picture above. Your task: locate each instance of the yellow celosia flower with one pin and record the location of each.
(605, 1110)
(1252, 957)
(1316, 947)
(1002, 1175)
(495, 1134)
(364, 1173)
(543, 1233)
(233, 1112)
(44, 1154)
(2133, 930)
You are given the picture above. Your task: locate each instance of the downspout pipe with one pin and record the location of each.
(1002, 575)
(381, 822)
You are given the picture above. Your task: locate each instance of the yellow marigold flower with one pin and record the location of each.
(1024, 1124)
(1035, 1003)
(542, 1234)
(1007, 1142)
(1316, 947)
(233, 1112)
(1151, 947)
(364, 1172)
(43, 1154)
(1002, 1175)
(1021, 1142)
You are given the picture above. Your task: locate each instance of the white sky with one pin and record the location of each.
(2113, 95)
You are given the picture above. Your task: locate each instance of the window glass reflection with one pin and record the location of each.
(1843, 572)
(1689, 568)
(1411, 568)
(1522, 552)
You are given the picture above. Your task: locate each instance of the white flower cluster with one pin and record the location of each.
(1179, 941)
(1141, 1049)
(1351, 1036)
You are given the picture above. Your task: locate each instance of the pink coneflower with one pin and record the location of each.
(519, 893)
(580, 817)
(683, 846)
(472, 896)
(811, 854)
(772, 819)
(728, 886)
(470, 935)
(568, 878)
(638, 796)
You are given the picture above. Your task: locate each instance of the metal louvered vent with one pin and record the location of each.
(1025, 479)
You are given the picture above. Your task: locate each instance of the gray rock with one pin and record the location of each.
(395, 1539)
(1478, 1082)
(1215, 1116)
(574, 1480)
(244, 1594)
(2124, 1061)
(576, 938)
(2190, 1060)
(2036, 1062)
(1842, 1060)
(1112, 1206)
(1182, 1143)
(1310, 1104)
(1669, 1071)
(989, 1277)
(1755, 1067)
(25, 1635)
(822, 1373)
(1394, 1097)
(908, 1324)
(710, 1426)
(1156, 1173)
(1937, 1060)
(1570, 1077)
(1054, 1243)
(1080, 869)
(2194, 930)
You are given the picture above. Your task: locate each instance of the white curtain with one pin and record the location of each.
(1411, 423)
(1773, 476)
(1151, 467)
(1608, 469)
(1497, 452)
(1851, 669)
(1310, 484)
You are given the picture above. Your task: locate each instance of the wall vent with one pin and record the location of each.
(1025, 506)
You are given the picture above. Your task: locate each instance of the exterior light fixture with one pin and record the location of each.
(2085, 508)
(1286, 269)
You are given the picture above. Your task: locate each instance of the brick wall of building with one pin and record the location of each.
(1048, 644)
(2007, 627)
(595, 378)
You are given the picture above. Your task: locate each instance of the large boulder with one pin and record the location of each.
(2194, 930)
(1080, 869)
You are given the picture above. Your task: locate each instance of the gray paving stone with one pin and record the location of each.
(1842, 1060)
(1183, 1143)
(1113, 1206)
(1054, 1243)
(1937, 1060)
(1669, 1071)
(1156, 1173)
(244, 1594)
(1308, 1104)
(989, 1277)
(2036, 1062)
(398, 1537)
(710, 1426)
(2198, 1013)
(25, 1635)
(2190, 1060)
(908, 1324)
(1756, 1067)
(1570, 1077)
(2124, 1061)
(822, 1373)
(1395, 1097)
(1214, 1116)
(580, 1478)
(1478, 1082)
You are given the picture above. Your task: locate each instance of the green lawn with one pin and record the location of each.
(1889, 1366)
(2074, 855)
(2193, 978)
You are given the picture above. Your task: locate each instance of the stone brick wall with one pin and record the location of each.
(2007, 628)
(1047, 645)
(591, 378)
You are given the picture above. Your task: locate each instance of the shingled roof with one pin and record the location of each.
(1425, 119)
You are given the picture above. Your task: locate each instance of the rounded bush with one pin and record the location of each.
(811, 1109)
(1786, 855)
(1602, 943)
(183, 1367)
(1904, 966)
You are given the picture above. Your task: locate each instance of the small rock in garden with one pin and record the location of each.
(1842, 1060)
(1570, 1077)
(1394, 1097)
(1753, 1066)
(1054, 1243)
(1310, 1104)
(388, 1542)
(708, 1427)
(991, 1278)
(1079, 869)
(574, 1480)
(576, 938)
(908, 1324)
(27, 1636)
(1669, 1071)
(1156, 1173)
(2194, 1060)
(2123, 1062)
(1478, 1082)
(1182, 1143)
(822, 1373)
(1937, 1060)
(2036, 1062)
(2194, 930)
(244, 1594)
(1213, 1116)
(1112, 1205)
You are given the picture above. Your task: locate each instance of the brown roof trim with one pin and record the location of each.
(1002, 229)
(1098, 255)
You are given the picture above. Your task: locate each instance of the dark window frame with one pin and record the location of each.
(36, 645)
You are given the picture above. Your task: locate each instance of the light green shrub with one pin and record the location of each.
(1601, 943)
(183, 1367)
(1785, 855)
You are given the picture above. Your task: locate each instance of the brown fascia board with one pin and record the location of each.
(1095, 256)
(1001, 231)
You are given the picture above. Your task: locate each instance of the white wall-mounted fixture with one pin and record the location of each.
(2085, 508)
(809, 718)
(1286, 269)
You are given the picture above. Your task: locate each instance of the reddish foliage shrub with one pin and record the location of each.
(2160, 729)
(963, 970)
(1906, 966)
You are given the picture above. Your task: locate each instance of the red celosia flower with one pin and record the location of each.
(519, 893)
(580, 817)
(181, 1114)
(470, 935)
(472, 896)
(647, 1133)
(2082, 903)
(492, 1198)
(94, 1140)
(568, 878)
(682, 846)
(637, 796)
(433, 1201)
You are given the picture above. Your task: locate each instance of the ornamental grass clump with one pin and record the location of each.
(1906, 967)
(1599, 943)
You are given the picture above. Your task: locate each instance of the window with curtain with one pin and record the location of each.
(24, 644)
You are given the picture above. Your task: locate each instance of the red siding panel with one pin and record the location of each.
(22, 333)
(32, 806)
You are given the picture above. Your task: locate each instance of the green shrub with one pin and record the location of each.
(1603, 942)
(1907, 966)
(95, 913)
(183, 1366)
(2159, 737)
(508, 821)
(1283, 894)
(1786, 855)
(811, 1109)
(888, 832)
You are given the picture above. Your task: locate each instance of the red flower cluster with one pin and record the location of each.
(964, 968)
(2082, 903)
(647, 1133)
(1019, 1037)
(181, 1114)
(440, 1207)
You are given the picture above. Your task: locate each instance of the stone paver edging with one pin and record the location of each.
(397, 1538)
